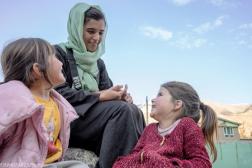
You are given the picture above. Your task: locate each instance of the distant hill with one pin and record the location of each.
(241, 113)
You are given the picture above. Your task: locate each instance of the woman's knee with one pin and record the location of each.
(129, 109)
(121, 108)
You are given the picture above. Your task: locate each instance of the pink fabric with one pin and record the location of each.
(184, 147)
(22, 133)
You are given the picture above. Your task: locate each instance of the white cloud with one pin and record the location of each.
(243, 35)
(156, 33)
(218, 2)
(242, 42)
(189, 25)
(183, 40)
(246, 26)
(225, 3)
(208, 26)
(182, 2)
(245, 43)
(199, 42)
(186, 41)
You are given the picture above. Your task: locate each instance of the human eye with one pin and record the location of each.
(91, 31)
(101, 33)
(159, 94)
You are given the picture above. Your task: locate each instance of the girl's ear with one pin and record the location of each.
(178, 104)
(36, 71)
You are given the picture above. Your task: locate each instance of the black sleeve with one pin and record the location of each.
(104, 81)
(81, 100)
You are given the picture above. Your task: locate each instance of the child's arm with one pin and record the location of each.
(6, 136)
(195, 152)
(141, 142)
(134, 156)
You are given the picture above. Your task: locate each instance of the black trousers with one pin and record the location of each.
(110, 129)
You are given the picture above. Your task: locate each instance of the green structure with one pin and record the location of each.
(236, 154)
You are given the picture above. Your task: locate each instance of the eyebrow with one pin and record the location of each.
(90, 28)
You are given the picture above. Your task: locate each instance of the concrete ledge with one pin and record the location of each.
(82, 155)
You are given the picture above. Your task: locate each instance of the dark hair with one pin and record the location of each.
(192, 106)
(93, 13)
(18, 57)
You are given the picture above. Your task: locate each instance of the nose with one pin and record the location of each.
(153, 100)
(59, 61)
(96, 36)
(61, 64)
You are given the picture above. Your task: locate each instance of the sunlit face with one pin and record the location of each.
(163, 105)
(93, 33)
(55, 74)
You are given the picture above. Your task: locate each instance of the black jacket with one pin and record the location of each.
(81, 100)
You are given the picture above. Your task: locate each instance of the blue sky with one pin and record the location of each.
(207, 43)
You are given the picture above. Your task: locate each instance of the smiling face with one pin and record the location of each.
(165, 107)
(162, 105)
(54, 71)
(93, 31)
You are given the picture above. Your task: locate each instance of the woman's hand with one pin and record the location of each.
(116, 93)
(126, 96)
(113, 93)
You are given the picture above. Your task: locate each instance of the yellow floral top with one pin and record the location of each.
(52, 122)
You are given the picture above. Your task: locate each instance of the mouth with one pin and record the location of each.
(93, 44)
(153, 107)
